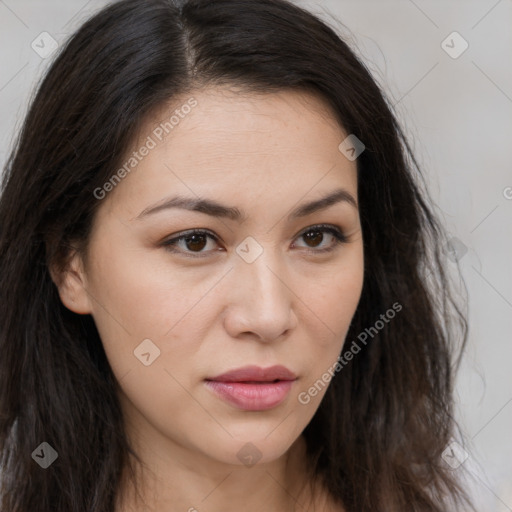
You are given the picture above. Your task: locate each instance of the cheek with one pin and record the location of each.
(140, 299)
(139, 291)
(160, 395)
(338, 294)
(337, 307)
(334, 301)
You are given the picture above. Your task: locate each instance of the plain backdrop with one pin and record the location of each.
(453, 94)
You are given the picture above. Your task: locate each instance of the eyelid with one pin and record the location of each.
(335, 231)
(170, 242)
(332, 229)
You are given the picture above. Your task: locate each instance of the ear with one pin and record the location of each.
(72, 285)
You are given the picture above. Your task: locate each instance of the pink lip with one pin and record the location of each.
(253, 388)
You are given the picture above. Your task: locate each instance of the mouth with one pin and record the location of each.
(252, 388)
(256, 374)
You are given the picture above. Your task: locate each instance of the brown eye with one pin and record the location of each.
(315, 236)
(195, 242)
(192, 243)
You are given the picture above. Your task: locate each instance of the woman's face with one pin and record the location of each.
(262, 288)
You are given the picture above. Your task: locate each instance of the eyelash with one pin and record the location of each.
(339, 238)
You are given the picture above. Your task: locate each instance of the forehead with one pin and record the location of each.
(254, 144)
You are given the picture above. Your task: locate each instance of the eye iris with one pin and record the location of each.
(314, 236)
(193, 239)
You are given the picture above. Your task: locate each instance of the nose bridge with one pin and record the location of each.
(264, 274)
(263, 302)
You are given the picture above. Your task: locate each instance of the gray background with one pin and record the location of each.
(458, 115)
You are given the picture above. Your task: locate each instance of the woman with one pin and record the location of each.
(221, 279)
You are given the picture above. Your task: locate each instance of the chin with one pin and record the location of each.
(253, 446)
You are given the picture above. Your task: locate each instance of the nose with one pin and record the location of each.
(261, 302)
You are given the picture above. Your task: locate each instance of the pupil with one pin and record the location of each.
(193, 240)
(310, 237)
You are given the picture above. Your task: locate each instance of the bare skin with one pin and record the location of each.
(265, 155)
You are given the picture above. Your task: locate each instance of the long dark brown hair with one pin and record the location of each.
(377, 438)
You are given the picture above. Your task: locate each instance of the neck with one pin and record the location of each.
(185, 482)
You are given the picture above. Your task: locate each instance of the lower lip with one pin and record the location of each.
(251, 396)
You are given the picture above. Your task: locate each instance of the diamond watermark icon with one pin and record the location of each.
(45, 455)
(249, 250)
(454, 455)
(146, 352)
(351, 147)
(249, 454)
(454, 45)
(44, 45)
(455, 249)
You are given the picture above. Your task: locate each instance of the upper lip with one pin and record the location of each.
(256, 374)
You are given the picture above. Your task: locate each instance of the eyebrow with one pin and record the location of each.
(215, 209)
